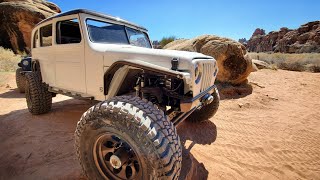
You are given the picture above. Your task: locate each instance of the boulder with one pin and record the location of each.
(261, 64)
(234, 63)
(17, 19)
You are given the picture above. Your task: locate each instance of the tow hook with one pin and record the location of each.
(206, 99)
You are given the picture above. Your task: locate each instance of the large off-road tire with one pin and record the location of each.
(114, 130)
(39, 99)
(20, 80)
(207, 111)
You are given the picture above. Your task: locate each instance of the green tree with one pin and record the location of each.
(166, 40)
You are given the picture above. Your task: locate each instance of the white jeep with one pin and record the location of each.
(144, 93)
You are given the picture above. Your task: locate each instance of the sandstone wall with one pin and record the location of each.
(305, 39)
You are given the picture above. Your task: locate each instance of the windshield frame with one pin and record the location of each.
(125, 30)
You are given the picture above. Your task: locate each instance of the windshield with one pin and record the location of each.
(102, 32)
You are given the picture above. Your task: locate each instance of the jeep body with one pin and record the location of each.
(144, 93)
(91, 55)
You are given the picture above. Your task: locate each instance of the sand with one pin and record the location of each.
(271, 133)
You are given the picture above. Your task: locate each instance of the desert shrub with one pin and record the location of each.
(166, 40)
(296, 66)
(314, 68)
(8, 60)
(292, 62)
(273, 67)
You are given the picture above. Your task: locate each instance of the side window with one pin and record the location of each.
(68, 32)
(35, 39)
(46, 36)
(138, 38)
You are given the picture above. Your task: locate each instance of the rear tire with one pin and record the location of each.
(134, 123)
(207, 111)
(20, 80)
(39, 99)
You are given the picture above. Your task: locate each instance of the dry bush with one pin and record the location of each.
(166, 40)
(293, 62)
(8, 60)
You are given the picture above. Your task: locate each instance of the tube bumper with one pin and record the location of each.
(199, 100)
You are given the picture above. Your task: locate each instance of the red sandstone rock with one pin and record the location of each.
(305, 39)
(17, 19)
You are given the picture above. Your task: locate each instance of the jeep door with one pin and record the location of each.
(69, 54)
(94, 62)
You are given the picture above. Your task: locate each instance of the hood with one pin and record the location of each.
(160, 57)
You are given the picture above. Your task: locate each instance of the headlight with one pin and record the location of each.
(197, 73)
(25, 63)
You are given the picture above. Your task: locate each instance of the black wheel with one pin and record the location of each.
(39, 99)
(127, 138)
(20, 80)
(207, 111)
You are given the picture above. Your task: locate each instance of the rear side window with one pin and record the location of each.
(35, 39)
(46, 36)
(68, 32)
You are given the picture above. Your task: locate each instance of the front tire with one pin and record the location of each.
(207, 111)
(20, 80)
(39, 99)
(127, 138)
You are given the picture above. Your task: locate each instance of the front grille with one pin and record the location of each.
(207, 75)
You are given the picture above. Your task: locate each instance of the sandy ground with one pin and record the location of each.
(271, 133)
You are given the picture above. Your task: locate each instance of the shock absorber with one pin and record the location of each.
(142, 84)
(138, 87)
(139, 84)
